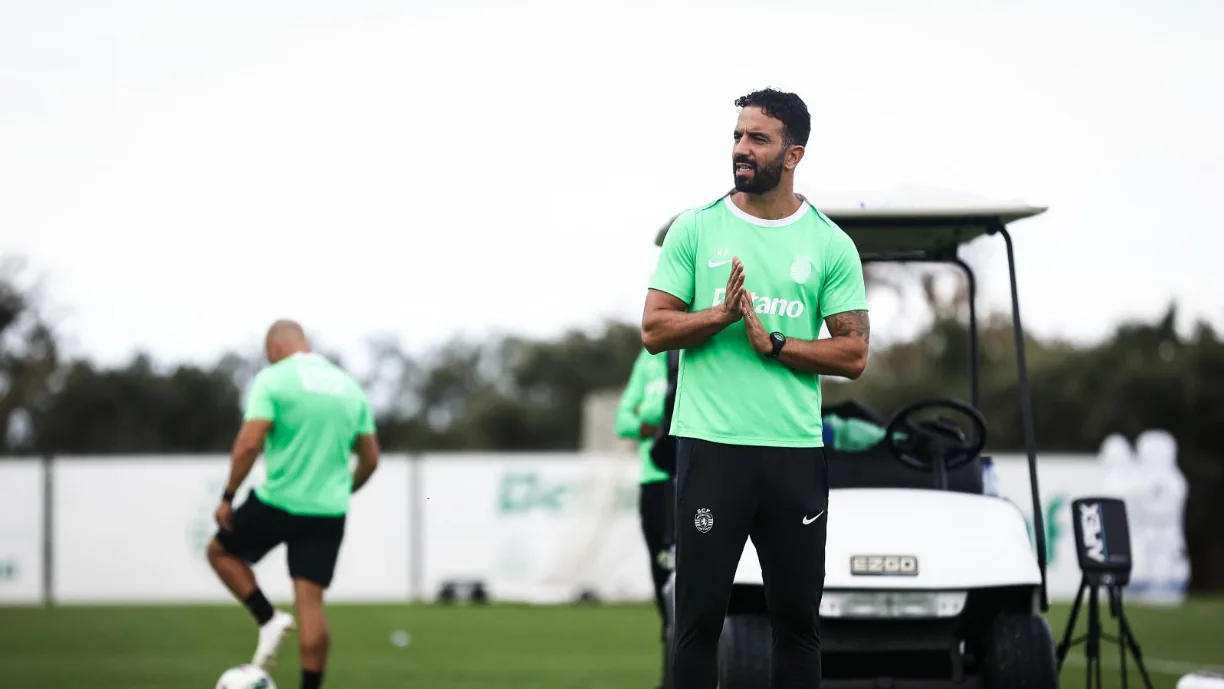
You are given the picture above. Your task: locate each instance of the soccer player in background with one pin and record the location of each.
(307, 416)
(742, 287)
(637, 417)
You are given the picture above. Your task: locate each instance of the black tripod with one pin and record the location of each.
(1092, 640)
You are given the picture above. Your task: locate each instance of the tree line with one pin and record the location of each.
(519, 393)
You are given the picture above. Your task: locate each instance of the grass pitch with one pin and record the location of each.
(494, 647)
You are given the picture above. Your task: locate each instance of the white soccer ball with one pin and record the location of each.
(1201, 680)
(245, 677)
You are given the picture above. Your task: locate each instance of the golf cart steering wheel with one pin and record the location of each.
(937, 445)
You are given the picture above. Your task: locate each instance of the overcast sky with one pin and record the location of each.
(183, 173)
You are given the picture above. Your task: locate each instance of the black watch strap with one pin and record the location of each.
(227, 496)
(778, 340)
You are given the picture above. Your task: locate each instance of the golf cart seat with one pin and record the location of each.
(909, 463)
(853, 409)
(876, 467)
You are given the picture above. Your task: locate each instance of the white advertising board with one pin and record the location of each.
(1160, 568)
(1060, 479)
(21, 531)
(534, 528)
(540, 528)
(134, 529)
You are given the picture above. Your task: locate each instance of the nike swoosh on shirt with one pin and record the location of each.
(807, 521)
(715, 264)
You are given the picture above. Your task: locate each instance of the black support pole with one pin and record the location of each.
(1026, 418)
(48, 525)
(974, 363)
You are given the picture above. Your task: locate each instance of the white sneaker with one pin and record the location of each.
(270, 636)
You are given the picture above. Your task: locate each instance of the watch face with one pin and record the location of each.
(777, 339)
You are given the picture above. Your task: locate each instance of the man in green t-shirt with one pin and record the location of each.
(638, 416)
(742, 287)
(307, 416)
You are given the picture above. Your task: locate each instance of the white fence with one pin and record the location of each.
(21, 532)
(532, 527)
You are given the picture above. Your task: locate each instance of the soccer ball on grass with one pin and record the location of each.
(245, 677)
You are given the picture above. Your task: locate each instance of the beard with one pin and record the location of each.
(764, 178)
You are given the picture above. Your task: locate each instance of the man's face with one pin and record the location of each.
(759, 156)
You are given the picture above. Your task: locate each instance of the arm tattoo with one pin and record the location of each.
(850, 323)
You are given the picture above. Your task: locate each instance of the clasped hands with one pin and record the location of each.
(738, 304)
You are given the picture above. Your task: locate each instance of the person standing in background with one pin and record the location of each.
(638, 416)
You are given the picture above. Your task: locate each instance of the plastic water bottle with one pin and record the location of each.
(990, 478)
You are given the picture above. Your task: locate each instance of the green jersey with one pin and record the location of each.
(799, 271)
(317, 411)
(642, 402)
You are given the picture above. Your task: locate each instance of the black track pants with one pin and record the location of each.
(778, 497)
(652, 509)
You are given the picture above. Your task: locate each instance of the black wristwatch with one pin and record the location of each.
(227, 497)
(778, 340)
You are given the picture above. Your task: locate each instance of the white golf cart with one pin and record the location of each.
(930, 582)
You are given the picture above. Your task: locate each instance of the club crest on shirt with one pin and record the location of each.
(801, 269)
(704, 520)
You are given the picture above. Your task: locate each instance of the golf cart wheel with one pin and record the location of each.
(745, 652)
(1020, 654)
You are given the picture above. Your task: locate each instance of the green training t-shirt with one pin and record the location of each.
(317, 411)
(642, 402)
(799, 270)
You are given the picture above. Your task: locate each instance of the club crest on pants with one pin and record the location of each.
(704, 521)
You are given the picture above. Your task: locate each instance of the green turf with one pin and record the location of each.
(509, 647)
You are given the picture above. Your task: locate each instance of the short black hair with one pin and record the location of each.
(787, 107)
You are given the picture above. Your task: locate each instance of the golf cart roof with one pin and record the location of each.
(932, 231)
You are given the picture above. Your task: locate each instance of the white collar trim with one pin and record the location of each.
(762, 222)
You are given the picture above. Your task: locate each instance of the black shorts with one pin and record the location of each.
(313, 543)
